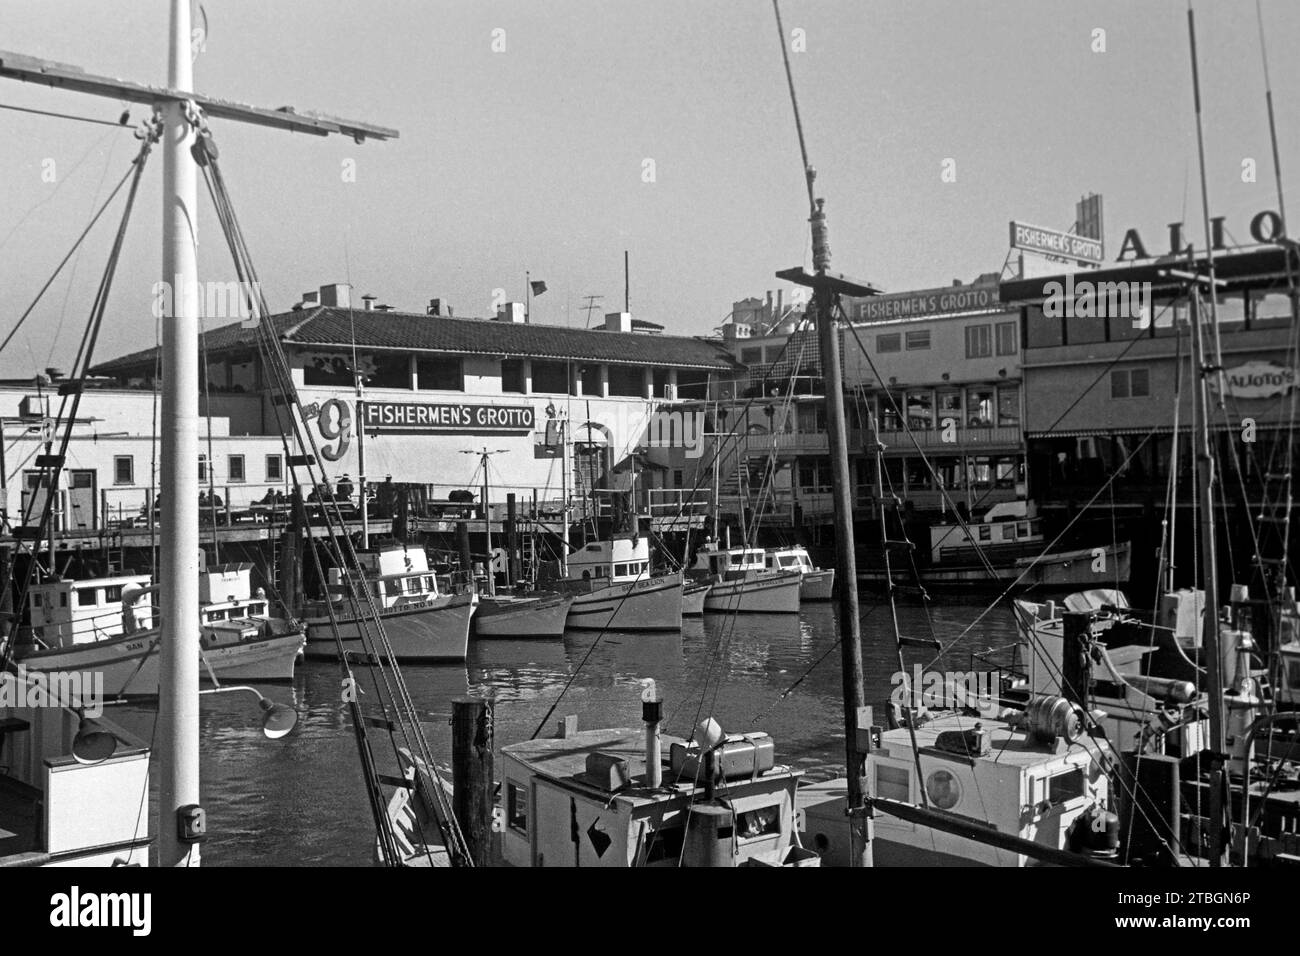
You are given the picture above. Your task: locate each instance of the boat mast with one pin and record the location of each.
(361, 454)
(826, 287)
(564, 496)
(1217, 743)
(178, 699)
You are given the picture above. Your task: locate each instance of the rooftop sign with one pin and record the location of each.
(1049, 242)
(429, 418)
(950, 299)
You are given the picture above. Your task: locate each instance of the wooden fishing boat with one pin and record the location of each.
(613, 589)
(815, 584)
(531, 614)
(743, 584)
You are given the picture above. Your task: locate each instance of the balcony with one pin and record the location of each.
(785, 444)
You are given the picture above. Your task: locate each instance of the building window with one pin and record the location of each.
(441, 373)
(979, 341)
(512, 375)
(948, 404)
(979, 406)
(589, 378)
(918, 340)
(1130, 383)
(678, 478)
(274, 468)
(550, 377)
(388, 370)
(815, 475)
(751, 356)
(328, 370)
(235, 467)
(920, 408)
(516, 807)
(1006, 338)
(123, 470)
(890, 405)
(1009, 405)
(887, 343)
(203, 467)
(918, 475)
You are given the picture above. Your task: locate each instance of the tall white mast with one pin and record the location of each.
(178, 702)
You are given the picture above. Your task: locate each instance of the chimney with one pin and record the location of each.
(512, 312)
(337, 294)
(368, 301)
(780, 294)
(618, 321)
(309, 301)
(652, 713)
(435, 307)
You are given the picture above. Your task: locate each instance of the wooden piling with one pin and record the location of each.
(471, 756)
(466, 558)
(512, 539)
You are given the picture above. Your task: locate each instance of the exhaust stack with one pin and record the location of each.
(652, 714)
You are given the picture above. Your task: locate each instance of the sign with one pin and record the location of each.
(430, 418)
(1258, 380)
(1049, 242)
(949, 299)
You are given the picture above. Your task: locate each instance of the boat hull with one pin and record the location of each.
(434, 632)
(763, 594)
(653, 604)
(522, 617)
(817, 585)
(130, 664)
(693, 596)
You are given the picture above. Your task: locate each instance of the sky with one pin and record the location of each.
(534, 158)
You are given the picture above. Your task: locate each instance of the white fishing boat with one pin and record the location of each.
(815, 583)
(742, 582)
(532, 614)
(103, 625)
(420, 624)
(613, 589)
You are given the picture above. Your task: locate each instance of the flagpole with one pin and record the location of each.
(528, 295)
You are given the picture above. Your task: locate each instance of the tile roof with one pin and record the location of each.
(327, 326)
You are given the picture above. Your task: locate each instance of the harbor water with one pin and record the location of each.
(300, 800)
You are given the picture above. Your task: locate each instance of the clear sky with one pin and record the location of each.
(532, 158)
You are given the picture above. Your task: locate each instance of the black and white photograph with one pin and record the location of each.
(608, 434)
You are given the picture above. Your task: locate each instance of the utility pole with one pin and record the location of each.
(182, 112)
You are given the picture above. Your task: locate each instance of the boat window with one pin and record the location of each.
(113, 593)
(790, 562)
(86, 597)
(893, 783)
(63, 599)
(1023, 529)
(592, 547)
(986, 533)
(256, 610)
(36, 600)
(1293, 673)
(943, 789)
(1009, 532)
(516, 807)
(620, 570)
(1066, 786)
(378, 588)
(763, 822)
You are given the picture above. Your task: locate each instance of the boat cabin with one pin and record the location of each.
(1010, 523)
(621, 559)
(728, 564)
(227, 607)
(978, 768)
(584, 800)
(396, 577)
(46, 792)
(68, 612)
(789, 559)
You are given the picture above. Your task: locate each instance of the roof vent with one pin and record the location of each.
(618, 321)
(368, 302)
(337, 294)
(309, 301)
(512, 312)
(435, 307)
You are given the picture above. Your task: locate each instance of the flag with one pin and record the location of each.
(538, 286)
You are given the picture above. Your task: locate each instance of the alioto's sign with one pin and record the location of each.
(433, 418)
(1258, 380)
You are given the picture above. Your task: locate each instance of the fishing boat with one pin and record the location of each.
(628, 797)
(694, 594)
(528, 614)
(420, 624)
(101, 625)
(613, 589)
(742, 583)
(1007, 546)
(815, 584)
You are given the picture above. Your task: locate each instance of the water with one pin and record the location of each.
(300, 800)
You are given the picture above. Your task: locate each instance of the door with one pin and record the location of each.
(82, 509)
(36, 487)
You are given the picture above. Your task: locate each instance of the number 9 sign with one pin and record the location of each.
(335, 424)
